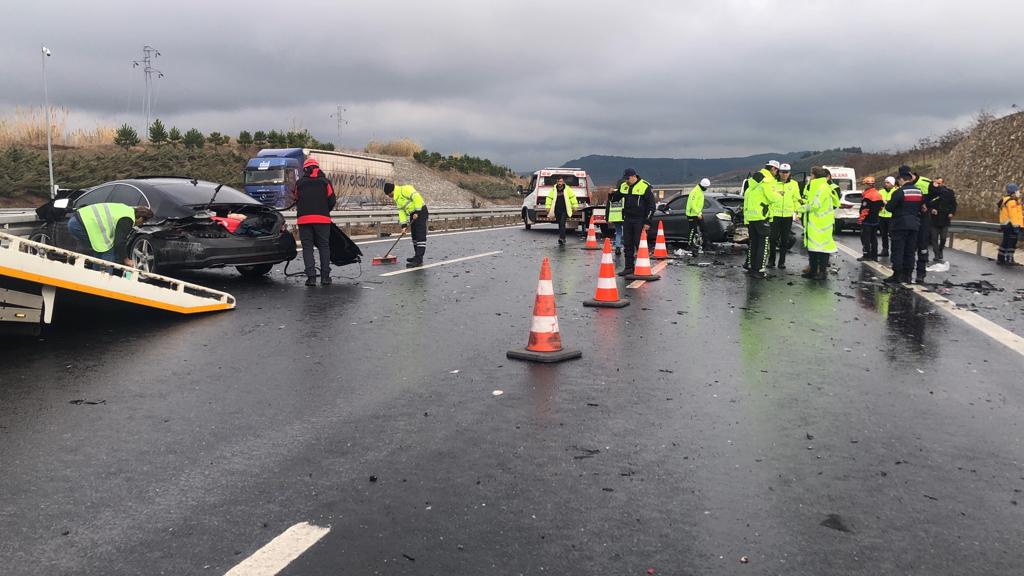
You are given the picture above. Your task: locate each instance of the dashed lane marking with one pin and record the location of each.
(657, 269)
(435, 235)
(441, 263)
(983, 325)
(281, 551)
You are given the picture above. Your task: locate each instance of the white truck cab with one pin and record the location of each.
(544, 180)
(849, 198)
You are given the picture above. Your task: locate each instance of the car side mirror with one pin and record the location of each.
(662, 207)
(62, 203)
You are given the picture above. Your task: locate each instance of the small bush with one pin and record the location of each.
(126, 137)
(157, 132)
(404, 147)
(194, 139)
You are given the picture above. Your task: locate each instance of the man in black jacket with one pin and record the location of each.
(638, 207)
(314, 200)
(905, 205)
(942, 204)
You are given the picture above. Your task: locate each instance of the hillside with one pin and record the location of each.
(979, 167)
(24, 177)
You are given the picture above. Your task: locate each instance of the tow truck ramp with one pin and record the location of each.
(46, 268)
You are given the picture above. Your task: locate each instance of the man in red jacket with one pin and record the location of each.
(870, 206)
(314, 199)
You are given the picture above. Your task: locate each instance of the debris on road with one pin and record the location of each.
(835, 522)
(497, 393)
(89, 402)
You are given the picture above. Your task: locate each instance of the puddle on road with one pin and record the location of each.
(915, 328)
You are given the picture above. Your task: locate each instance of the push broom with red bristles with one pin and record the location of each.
(387, 258)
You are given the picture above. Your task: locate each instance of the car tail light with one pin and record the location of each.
(845, 205)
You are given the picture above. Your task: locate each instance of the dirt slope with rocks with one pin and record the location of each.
(980, 166)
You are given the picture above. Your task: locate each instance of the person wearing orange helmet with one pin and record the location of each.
(314, 200)
(870, 205)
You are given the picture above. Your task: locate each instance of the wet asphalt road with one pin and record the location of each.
(715, 418)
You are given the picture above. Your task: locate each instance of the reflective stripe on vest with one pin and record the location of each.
(639, 189)
(615, 210)
(100, 223)
(886, 196)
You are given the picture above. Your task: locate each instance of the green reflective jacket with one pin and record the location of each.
(886, 196)
(755, 199)
(785, 199)
(821, 217)
(570, 200)
(100, 222)
(695, 202)
(408, 201)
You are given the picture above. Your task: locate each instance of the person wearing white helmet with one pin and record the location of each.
(695, 215)
(784, 202)
(755, 216)
(884, 216)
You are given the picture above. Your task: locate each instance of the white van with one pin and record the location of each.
(849, 198)
(543, 181)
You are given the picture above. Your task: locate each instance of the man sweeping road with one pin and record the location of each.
(411, 208)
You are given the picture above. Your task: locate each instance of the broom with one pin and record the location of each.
(387, 258)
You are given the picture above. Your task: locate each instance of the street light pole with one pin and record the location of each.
(46, 104)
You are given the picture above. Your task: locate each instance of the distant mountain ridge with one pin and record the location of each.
(606, 170)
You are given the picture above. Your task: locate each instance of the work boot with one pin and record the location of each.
(626, 272)
(618, 251)
(410, 259)
(325, 280)
(561, 241)
(884, 254)
(414, 264)
(894, 279)
(864, 258)
(311, 281)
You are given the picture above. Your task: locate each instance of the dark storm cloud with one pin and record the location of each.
(532, 82)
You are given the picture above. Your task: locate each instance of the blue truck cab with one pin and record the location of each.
(270, 177)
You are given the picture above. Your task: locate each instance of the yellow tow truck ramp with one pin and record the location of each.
(49, 268)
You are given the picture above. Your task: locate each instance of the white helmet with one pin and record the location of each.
(705, 183)
(773, 163)
(785, 168)
(890, 180)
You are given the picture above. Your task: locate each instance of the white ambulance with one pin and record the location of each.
(543, 181)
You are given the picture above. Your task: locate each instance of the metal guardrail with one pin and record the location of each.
(22, 222)
(980, 231)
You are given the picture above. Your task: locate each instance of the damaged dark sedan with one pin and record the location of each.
(196, 225)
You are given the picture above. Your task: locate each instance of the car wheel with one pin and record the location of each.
(143, 253)
(526, 219)
(254, 271)
(42, 237)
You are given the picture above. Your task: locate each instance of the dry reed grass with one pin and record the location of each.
(404, 147)
(28, 128)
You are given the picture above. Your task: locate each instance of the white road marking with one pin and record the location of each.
(979, 323)
(441, 263)
(435, 235)
(281, 551)
(655, 270)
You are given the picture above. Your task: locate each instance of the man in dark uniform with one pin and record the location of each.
(314, 200)
(638, 207)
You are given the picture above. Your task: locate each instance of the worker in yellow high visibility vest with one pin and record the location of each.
(105, 228)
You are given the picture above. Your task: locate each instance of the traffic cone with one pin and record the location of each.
(642, 267)
(545, 344)
(591, 237)
(607, 293)
(660, 249)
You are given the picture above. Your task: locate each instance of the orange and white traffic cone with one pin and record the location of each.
(591, 237)
(607, 293)
(642, 268)
(545, 344)
(660, 249)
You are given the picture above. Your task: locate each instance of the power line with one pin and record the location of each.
(149, 54)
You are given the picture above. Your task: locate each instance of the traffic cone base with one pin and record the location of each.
(607, 293)
(591, 243)
(545, 344)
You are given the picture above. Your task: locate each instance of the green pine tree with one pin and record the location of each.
(157, 132)
(126, 137)
(174, 136)
(194, 139)
(244, 139)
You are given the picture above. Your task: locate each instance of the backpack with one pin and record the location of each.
(343, 250)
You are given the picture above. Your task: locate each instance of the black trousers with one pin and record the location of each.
(1009, 244)
(924, 244)
(631, 230)
(869, 241)
(939, 234)
(819, 264)
(904, 244)
(419, 235)
(318, 236)
(561, 225)
(778, 240)
(757, 249)
(883, 231)
(695, 224)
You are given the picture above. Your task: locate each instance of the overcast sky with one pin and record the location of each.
(531, 83)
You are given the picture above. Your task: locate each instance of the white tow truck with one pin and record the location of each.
(543, 180)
